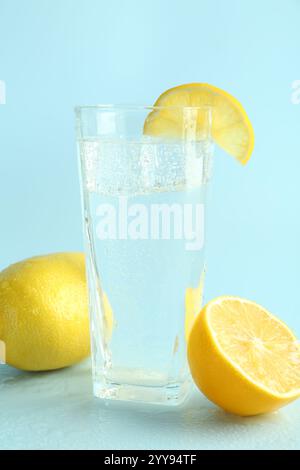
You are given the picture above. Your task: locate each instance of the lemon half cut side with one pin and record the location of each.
(243, 358)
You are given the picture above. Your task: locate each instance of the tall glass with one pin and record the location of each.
(143, 190)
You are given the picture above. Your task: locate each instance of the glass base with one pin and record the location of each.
(171, 395)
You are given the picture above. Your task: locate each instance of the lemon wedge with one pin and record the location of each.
(231, 127)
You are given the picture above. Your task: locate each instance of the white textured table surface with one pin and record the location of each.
(57, 411)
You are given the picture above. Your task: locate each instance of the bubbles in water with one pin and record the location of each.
(149, 165)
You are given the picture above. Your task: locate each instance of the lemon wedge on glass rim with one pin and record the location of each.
(231, 127)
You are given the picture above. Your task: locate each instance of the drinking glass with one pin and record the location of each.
(144, 211)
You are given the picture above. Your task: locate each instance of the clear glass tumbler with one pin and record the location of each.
(143, 190)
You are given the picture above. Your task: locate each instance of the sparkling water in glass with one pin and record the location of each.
(144, 217)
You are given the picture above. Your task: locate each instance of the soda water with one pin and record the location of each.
(144, 211)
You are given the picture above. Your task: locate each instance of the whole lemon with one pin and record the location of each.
(44, 312)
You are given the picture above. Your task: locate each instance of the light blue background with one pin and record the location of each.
(58, 53)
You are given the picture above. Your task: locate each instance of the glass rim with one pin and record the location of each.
(136, 107)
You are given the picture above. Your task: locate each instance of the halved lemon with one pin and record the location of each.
(231, 127)
(243, 358)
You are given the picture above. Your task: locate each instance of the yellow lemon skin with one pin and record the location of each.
(108, 318)
(193, 304)
(44, 312)
(221, 382)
